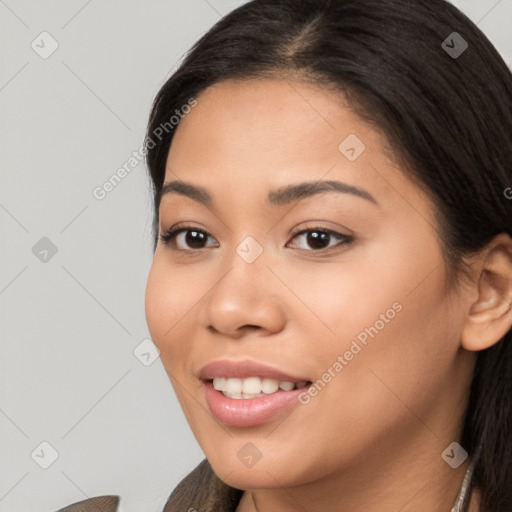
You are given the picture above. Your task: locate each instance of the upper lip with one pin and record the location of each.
(243, 369)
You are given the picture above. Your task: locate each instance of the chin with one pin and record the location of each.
(264, 474)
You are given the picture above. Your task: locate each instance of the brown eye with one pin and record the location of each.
(319, 239)
(189, 237)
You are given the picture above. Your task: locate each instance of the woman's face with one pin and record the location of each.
(356, 305)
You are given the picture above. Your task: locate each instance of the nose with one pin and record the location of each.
(246, 297)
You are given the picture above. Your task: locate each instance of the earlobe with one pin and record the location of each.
(490, 315)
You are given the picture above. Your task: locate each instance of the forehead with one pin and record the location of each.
(264, 125)
(246, 136)
(269, 115)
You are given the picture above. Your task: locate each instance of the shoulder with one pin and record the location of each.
(201, 490)
(97, 504)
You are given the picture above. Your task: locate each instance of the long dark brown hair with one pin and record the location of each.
(446, 111)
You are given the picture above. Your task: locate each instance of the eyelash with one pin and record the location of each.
(169, 236)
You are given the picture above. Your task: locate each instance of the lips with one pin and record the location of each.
(244, 409)
(249, 412)
(244, 369)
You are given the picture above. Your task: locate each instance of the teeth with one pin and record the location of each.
(269, 386)
(233, 385)
(286, 386)
(219, 383)
(252, 387)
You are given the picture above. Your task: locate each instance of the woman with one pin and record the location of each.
(331, 287)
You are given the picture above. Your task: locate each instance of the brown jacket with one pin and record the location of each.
(200, 491)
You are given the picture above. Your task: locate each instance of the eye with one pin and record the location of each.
(193, 239)
(320, 239)
(186, 235)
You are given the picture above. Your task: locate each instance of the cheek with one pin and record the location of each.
(386, 309)
(155, 302)
(340, 300)
(167, 302)
(404, 363)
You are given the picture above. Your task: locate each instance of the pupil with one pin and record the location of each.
(194, 241)
(318, 239)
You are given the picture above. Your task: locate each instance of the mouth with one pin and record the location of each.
(246, 393)
(253, 387)
(239, 409)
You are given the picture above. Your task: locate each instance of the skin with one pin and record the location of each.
(372, 438)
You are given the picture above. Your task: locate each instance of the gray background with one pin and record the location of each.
(70, 321)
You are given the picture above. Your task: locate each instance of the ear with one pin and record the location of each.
(490, 314)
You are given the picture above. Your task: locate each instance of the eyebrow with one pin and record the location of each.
(281, 196)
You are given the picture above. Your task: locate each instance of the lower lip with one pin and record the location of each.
(248, 412)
